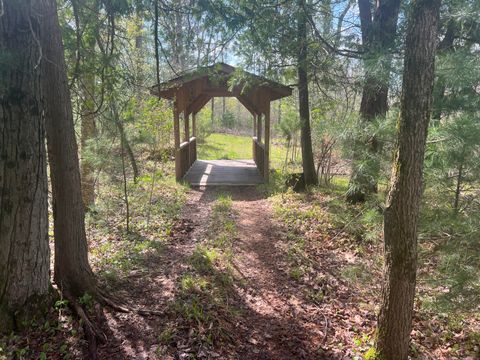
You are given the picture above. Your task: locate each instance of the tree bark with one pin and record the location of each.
(304, 107)
(403, 201)
(378, 38)
(365, 10)
(24, 249)
(72, 271)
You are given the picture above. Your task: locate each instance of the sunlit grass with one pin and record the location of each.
(231, 147)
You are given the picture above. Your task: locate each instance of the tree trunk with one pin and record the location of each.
(88, 132)
(304, 108)
(378, 37)
(403, 201)
(72, 271)
(24, 249)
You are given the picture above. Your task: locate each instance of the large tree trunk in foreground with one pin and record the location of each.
(24, 249)
(304, 107)
(72, 271)
(403, 202)
(378, 37)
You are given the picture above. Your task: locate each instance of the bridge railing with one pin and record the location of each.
(193, 150)
(185, 157)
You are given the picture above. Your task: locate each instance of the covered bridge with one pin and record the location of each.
(190, 92)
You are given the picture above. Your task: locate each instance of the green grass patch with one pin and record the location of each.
(233, 147)
(202, 304)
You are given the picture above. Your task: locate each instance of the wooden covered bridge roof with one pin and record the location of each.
(193, 89)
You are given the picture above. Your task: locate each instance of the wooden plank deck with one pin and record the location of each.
(223, 172)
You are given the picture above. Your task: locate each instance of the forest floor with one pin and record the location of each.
(246, 276)
(243, 275)
(256, 273)
(223, 288)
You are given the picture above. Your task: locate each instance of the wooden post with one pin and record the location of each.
(176, 134)
(194, 124)
(266, 159)
(186, 126)
(259, 128)
(254, 138)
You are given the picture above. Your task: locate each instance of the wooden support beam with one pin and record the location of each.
(254, 125)
(197, 104)
(245, 101)
(176, 135)
(219, 92)
(194, 124)
(186, 124)
(176, 125)
(266, 160)
(259, 128)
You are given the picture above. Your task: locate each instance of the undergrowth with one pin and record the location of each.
(155, 202)
(202, 304)
(448, 297)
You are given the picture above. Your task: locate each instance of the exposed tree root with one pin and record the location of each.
(107, 301)
(92, 333)
(147, 312)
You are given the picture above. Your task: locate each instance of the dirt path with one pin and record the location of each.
(278, 323)
(275, 320)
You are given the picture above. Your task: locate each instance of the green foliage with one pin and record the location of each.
(204, 125)
(454, 277)
(61, 304)
(167, 336)
(228, 120)
(371, 354)
(86, 300)
(296, 273)
(370, 168)
(453, 158)
(289, 125)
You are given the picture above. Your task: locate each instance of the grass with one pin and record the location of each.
(202, 303)
(231, 147)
